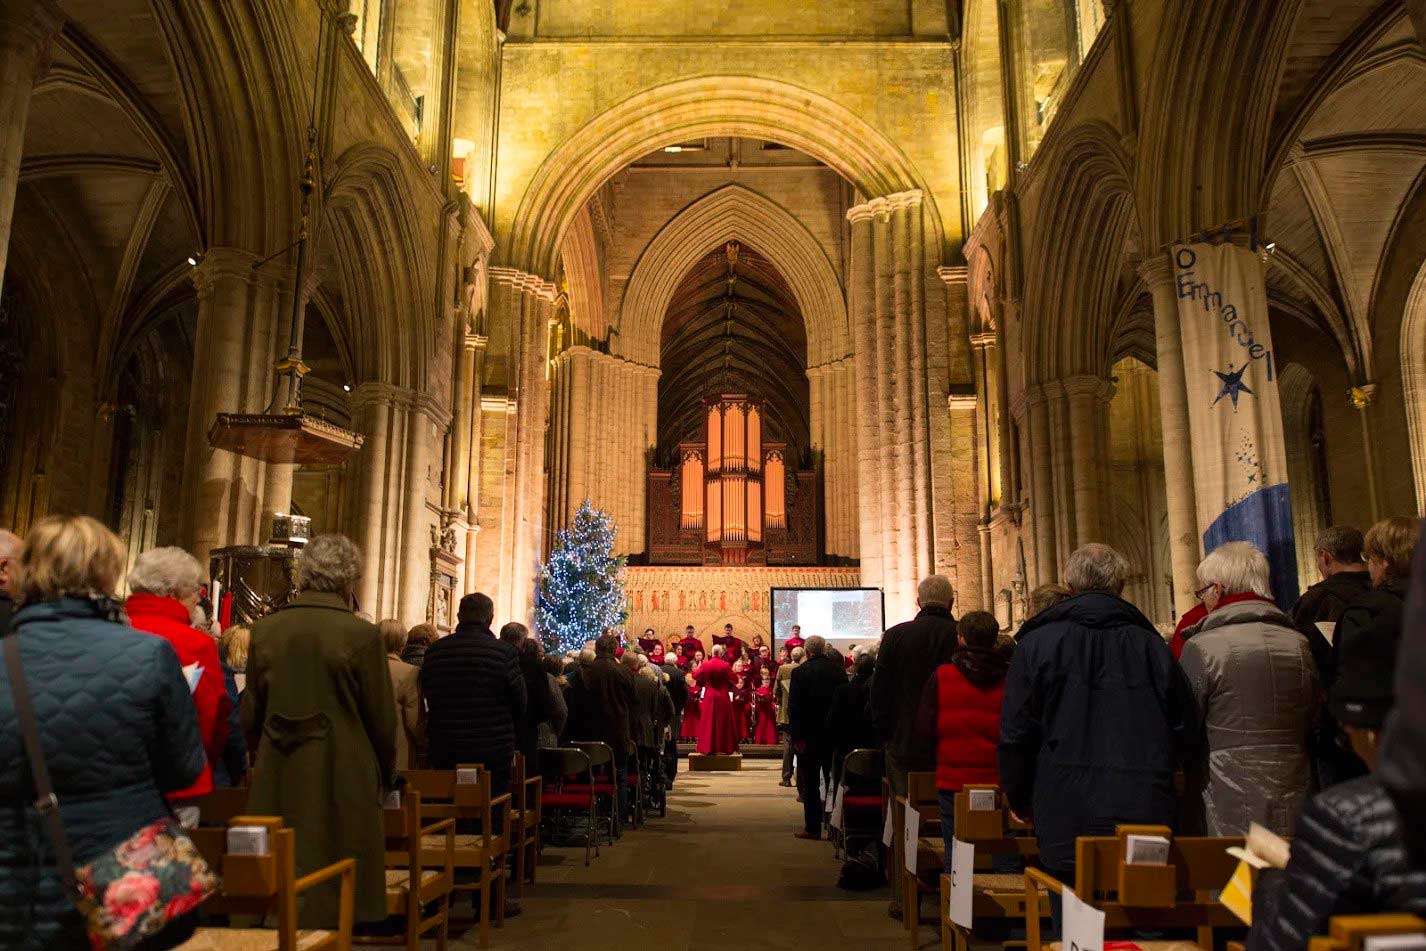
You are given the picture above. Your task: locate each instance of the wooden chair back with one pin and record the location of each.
(256, 884)
(220, 805)
(1350, 932)
(866, 766)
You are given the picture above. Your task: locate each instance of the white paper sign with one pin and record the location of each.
(1083, 925)
(1146, 850)
(886, 831)
(247, 840)
(1395, 942)
(467, 777)
(911, 838)
(838, 807)
(962, 883)
(827, 801)
(393, 800)
(983, 800)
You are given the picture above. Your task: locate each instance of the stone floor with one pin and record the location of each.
(722, 871)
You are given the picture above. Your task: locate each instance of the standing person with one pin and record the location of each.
(732, 644)
(537, 693)
(553, 726)
(603, 714)
(319, 708)
(782, 690)
(717, 726)
(232, 766)
(813, 685)
(1344, 578)
(677, 687)
(117, 728)
(1096, 713)
(764, 711)
(960, 714)
(794, 640)
(475, 695)
(418, 639)
(1369, 631)
(10, 546)
(909, 653)
(1255, 685)
(691, 646)
(165, 583)
(406, 688)
(847, 720)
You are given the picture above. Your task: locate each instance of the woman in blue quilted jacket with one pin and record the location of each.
(116, 722)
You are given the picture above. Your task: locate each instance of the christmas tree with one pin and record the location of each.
(581, 590)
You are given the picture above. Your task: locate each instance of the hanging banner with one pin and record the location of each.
(1239, 463)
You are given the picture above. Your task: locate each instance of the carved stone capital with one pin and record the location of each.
(1362, 395)
(221, 265)
(953, 274)
(524, 282)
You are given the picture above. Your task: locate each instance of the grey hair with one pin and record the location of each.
(935, 589)
(1342, 543)
(586, 656)
(650, 673)
(1238, 567)
(330, 563)
(1096, 567)
(816, 646)
(168, 572)
(799, 653)
(719, 650)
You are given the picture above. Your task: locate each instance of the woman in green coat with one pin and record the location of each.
(319, 710)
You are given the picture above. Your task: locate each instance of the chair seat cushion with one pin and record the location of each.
(398, 884)
(1000, 882)
(567, 800)
(469, 851)
(600, 789)
(247, 939)
(861, 802)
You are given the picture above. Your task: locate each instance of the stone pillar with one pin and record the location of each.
(1362, 397)
(221, 486)
(863, 312)
(1061, 469)
(1042, 486)
(1184, 544)
(371, 416)
(415, 535)
(528, 302)
(26, 29)
(277, 486)
(1084, 395)
(967, 521)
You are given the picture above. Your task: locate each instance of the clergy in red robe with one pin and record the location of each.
(717, 731)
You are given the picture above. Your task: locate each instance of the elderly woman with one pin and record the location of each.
(1256, 685)
(165, 584)
(406, 687)
(418, 639)
(116, 723)
(320, 707)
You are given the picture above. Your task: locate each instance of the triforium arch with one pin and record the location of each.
(896, 299)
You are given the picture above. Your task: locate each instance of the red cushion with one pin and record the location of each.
(567, 800)
(600, 789)
(861, 802)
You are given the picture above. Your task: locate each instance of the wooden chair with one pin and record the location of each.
(443, 796)
(261, 884)
(1178, 895)
(525, 814)
(568, 787)
(930, 849)
(417, 875)
(1350, 932)
(996, 895)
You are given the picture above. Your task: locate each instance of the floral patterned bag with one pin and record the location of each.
(140, 886)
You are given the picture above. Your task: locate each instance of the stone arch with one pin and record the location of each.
(1413, 380)
(698, 108)
(1300, 400)
(366, 226)
(733, 213)
(1087, 218)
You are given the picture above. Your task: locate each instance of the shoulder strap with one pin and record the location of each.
(46, 803)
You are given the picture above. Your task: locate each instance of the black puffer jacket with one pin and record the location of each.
(1348, 858)
(1326, 601)
(1364, 646)
(1095, 719)
(474, 695)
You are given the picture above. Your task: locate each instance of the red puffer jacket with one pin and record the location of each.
(966, 719)
(168, 618)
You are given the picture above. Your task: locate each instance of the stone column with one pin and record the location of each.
(26, 29)
(863, 313)
(277, 487)
(851, 482)
(415, 522)
(217, 481)
(579, 410)
(1184, 545)
(967, 520)
(1085, 399)
(371, 416)
(1362, 397)
(1042, 486)
(1061, 468)
(820, 435)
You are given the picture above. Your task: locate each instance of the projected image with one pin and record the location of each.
(844, 616)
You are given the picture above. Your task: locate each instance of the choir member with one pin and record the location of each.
(742, 697)
(795, 641)
(649, 641)
(732, 643)
(717, 733)
(691, 710)
(690, 645)
(765, 730)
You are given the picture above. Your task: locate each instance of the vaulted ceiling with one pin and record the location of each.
(741, 336)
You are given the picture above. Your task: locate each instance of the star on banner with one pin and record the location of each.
(1233, 385)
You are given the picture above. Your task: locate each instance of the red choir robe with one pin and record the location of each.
(792, 643)
(647, 643)
(734, 645)
(742, 701)
(690, 646)
(691, 711)
(717, 731)
(765, 732)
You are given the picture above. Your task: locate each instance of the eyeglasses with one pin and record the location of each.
(1202, 592)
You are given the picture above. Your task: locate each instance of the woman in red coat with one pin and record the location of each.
(765, 712)
(717, 730)
(165, 583)
(960, 709)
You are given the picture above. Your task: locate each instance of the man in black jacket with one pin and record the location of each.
(601, 707)
(1344, 579)
(1096, 715)
(474, 695)
(909, 653)
(813, 685)
(678, 693)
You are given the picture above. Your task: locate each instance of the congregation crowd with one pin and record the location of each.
(1086, 718)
